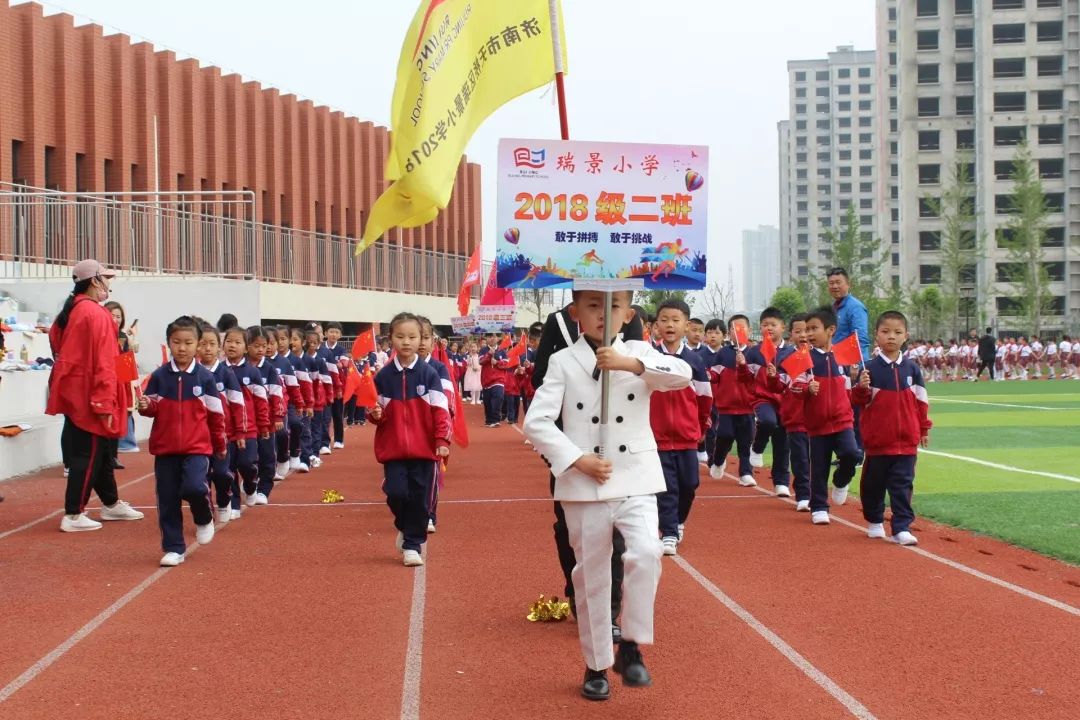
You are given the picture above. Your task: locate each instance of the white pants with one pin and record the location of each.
(590, 525)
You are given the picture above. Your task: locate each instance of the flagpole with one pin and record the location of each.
(556, 47)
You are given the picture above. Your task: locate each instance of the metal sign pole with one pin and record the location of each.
(605, 380)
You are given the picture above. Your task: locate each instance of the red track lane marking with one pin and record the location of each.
(845, 698)
(56, 513)
(414, 650)
(1018, 589)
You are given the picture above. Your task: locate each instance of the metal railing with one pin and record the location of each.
(44, 232)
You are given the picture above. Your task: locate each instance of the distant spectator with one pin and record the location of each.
(227, 322)
(128, 343)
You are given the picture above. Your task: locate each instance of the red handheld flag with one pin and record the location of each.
(472, 277)
(364, 344)
(494, 295)
(768, 349)
(366, 394)
(352, 382)
(164, 355)
(797, 362)
(505, 342)
(518, 351)
(742, 338)
(848, 351)
(126, 369)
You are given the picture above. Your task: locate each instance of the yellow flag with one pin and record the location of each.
(461, 60)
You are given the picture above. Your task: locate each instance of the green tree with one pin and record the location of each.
(814, 292)
(926, 309)
(789, 301)
(859, 253)
(961, 247)
(1024, 240)
(652, 299)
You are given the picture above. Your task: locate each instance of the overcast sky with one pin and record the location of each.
(709, 72)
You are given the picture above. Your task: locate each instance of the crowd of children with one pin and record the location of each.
(1015, 358)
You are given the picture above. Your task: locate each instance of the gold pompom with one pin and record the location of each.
(544, 610)
(332, 496)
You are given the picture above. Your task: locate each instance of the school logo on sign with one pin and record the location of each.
(524, 157)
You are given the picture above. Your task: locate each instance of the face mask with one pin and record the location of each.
(102, 292)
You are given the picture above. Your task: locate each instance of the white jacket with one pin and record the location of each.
(570, 392)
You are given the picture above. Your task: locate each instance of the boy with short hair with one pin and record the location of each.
(493, 365)
(792, 399)
(829, 418)
(894, 424)
(732, 389)
(714, 340)
(766, 401)
(679, 421)
(601, 494)
(695, 333)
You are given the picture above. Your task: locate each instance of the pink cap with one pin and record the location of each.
(86, 269)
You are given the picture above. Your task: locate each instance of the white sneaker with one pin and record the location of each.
(411, 558)
(682, 531)
(756, 459)
(839, 495)
(703, 457)
(281, 470)
(171, 559)
(249, 500)
(820, 517)
(339, 446)
(224, 515)
(261, 499)
(78, 523)
(302, 468)
(716, 472)
(234, 514)
(66, 472)
(120, 511)
(315, 462)
(671, 545)
(527, 441)
(294, 463)
(802, 506)
(747, 481)
(783, 491)
(905, 538)
(324, 450)
(876, 531)
(204, 533)
(399, 541)
(430, 526)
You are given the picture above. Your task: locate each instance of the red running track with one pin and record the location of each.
(302, 610)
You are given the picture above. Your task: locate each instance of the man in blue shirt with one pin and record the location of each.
(851, 315)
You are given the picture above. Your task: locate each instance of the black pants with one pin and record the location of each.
(822, 449)
(735, 430)
(769, 427)
(89, 462)
(409, 486)
(682, 475)
(337, 413)
(567, 559)
(895, 473)
(181, 477)
(985, 364)
(493, 404)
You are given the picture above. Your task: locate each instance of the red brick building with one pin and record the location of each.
(78, 115)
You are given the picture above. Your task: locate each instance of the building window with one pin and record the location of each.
(930, 174)
(822, 108)
(928, 207)
(866, 187)
(964, 38)
(866, 170)
(800, 141)
(800, 76)
(843, 106)
(1003, 169)
(844, 139)
(802, 222)
(1049, 66)
(1048, 3)
(1051, 168)
(866, 204)
(845, 171)
(1055, 202)
(929, 240)
(896, 260)
(965, 72)
(893, 125)
(929, 107)
(1007, 33)
(892, 37)
(804, 239)
(1005, 135)
(1003, 205)
(800, 190)
(843, 89)
(1054, 237)
(1055, 271)
(926, 40)
(866, 154)
(892, 80)
(1051, 134)
(803, 254)
(845, 122)
(1010, 101)
(823, 157)
(843, 73)
(800, 92)
(1051, 100)
(866, 220)
(930, 274)
(844, 155)
(1008, 4)
(822, 75)
(864, 89)
(1048, 31)
(823, 124)
(892, 59)
(928, 73)
(1008, 306)
(965, 105)
(845, 187)
(892, 103)
(965, 139)
(800, 124)
(963, 7)
(1009, 67)
(800, 157)
(926, 8)
(800, 109)
(800, 174)
(865, 138)
(866, 105)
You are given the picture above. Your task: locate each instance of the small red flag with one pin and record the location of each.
(797, 362)
(472, 277)
(768, 349)
(366, 394)
(848, 351)
(505, 342)
(518, 351)
(364, 344)
(738, 330)
(126, 369)
(164, 355)
(352, 382)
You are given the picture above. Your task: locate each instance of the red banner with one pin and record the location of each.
(472, 277)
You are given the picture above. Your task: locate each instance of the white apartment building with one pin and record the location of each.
(761, 266)
(829, 157)
(966, 81)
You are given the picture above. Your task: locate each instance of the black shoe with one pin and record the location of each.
(616, 633)
(596, 685)
(629, 664)
(117, 465)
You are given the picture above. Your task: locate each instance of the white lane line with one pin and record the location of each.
(57, 513)
(82, 633)
(999, 466)
(997, 404)
(414, 652)
(856, 708)
(1019, 590)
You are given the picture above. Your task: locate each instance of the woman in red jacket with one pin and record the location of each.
(83, 387)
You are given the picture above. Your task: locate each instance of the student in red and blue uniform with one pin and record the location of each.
(299, 443)
(679, 420)
(895, 422)
(254, 424)
(790, 391)
(412, 421)
(528, 364)
(766, 402)
(424, 350)
(493, 365)
(260, 341)
(733, 390)
(714, 340)
(323, 389)
(511, 390)
(235, 415)
(333, 419)
(829, 419)
(357, 414)
(189, 427)
(289, 435)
